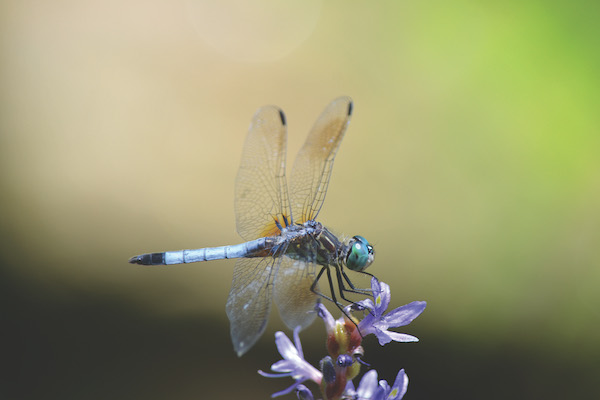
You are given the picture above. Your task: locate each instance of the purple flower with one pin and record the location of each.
(303, 393)
(370, 389)
(398, 390)
(328, 319)
(377, 323)
(293, 364)
(344, 338)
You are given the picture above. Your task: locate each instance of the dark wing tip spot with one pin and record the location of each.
(350, 108)
(282, 116)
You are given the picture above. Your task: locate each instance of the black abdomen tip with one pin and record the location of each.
(350, 107)
(148, 259)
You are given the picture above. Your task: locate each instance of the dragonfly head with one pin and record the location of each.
(360, 254)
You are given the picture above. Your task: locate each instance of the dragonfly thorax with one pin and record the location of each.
(313, 242)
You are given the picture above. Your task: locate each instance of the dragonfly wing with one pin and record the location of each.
(314, 163)
(261, 196)
(293, 295)
(249, 301)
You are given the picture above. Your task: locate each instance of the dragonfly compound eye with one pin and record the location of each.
(361, 254)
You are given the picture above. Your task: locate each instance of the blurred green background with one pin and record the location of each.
(471, 163)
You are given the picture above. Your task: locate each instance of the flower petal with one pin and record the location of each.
(303, 393)
(368, 385)
(375, 286)
(269, 375)
(384, 386)
(350, 391)
(326, 316)
(400, 386)
(285, 346)
(405, 314)
(286, 391)
(401, 337)
(383, 336)
(382, 297)
(366, 325)
(366, 303)
(284, 366)
(297, 342)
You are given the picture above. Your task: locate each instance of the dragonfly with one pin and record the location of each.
(286, 251)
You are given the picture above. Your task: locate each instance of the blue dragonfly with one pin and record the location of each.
(286, 250)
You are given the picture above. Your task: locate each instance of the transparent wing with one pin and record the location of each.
(261, 196)
(313, 165)
(249, 301)
(295, 300)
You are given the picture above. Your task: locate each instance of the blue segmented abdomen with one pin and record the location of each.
(248, 249)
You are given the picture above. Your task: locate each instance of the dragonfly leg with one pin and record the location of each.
(366, 273)
(324, 268)
(313, 287)
(353, 289)
(342, 288)
(333, 297)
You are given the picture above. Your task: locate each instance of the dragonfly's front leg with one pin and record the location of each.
(354, 289)
(340, 272)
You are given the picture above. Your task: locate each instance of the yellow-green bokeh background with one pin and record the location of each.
(472, 163)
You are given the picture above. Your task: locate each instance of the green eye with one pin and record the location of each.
(360, 255)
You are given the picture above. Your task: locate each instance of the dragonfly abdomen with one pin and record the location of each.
(247, 249)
